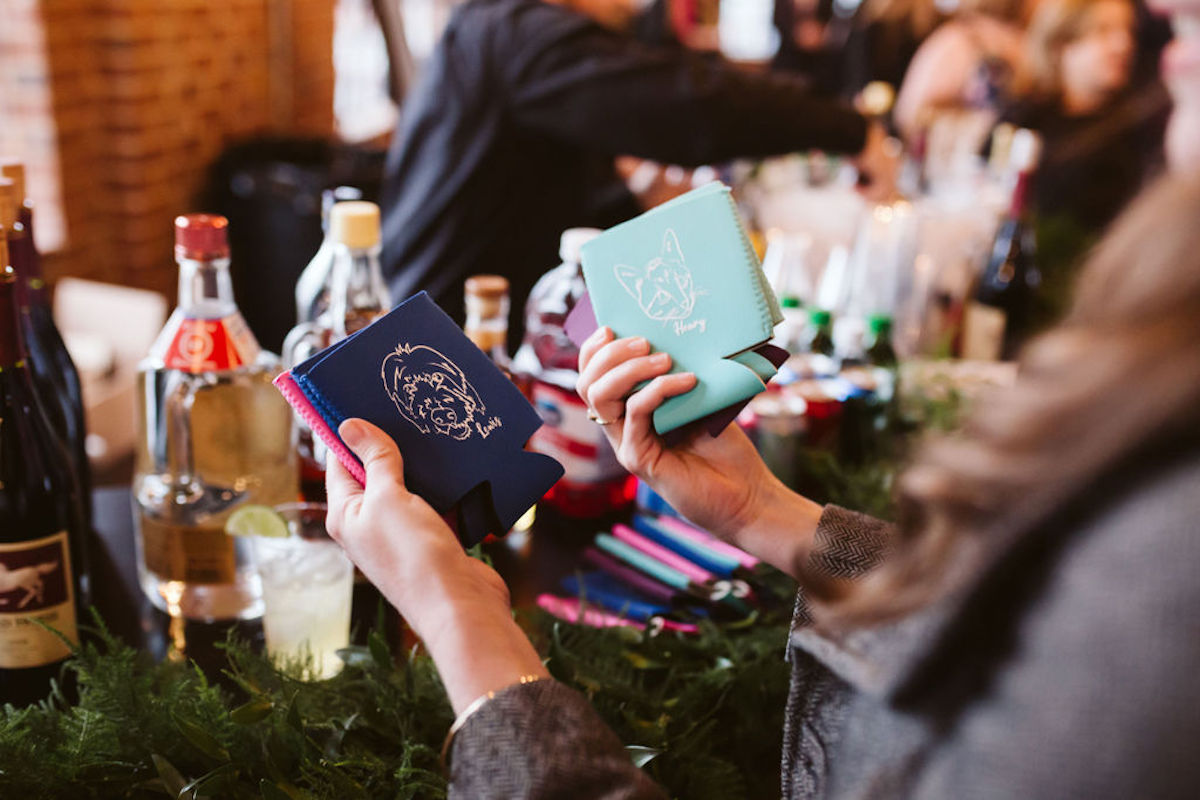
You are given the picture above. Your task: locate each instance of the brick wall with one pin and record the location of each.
(120, 106)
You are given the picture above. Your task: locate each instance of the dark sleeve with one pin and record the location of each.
(543, 740)
(570, 79)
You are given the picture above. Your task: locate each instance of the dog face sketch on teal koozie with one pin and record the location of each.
(663, 288)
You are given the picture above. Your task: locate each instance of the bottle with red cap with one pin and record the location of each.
(214, 435)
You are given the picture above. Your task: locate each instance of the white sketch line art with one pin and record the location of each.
(432, 393)
(27, 579)
(663, 288)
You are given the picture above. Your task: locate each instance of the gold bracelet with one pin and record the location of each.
(476, 704)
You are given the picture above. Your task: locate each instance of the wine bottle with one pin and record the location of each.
(996, 320)
(42, 528)
(55, 378)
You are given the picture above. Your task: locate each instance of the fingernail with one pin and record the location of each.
(351, 432)
(639, 343)
(661, 359)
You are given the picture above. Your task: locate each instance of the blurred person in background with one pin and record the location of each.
(881, 40)
(1101, 139)
(1103, 136)
(510, 137)
(968, 64)
(1028, 629)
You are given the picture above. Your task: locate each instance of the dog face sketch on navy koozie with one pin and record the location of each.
(432, 393)
(663, 288)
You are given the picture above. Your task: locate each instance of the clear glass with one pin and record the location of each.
(209, 444)
(307, 583)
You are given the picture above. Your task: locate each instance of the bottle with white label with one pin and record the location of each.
(42, 525)
(214, 435)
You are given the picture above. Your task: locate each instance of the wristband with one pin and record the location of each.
(475, 705)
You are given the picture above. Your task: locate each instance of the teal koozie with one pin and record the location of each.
(685, 277)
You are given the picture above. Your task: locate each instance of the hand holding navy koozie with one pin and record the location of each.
(460, 423)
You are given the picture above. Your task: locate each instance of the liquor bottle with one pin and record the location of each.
(486, 323)
(884, 365)
(214, 434)
(595, 484)
(815, 356)
(880, 351)
(790, 333)
(996, 320)
(313, 286)
(42, 528)
(355, 296)
(55, 379)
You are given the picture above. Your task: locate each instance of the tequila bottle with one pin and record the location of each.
(214, 435)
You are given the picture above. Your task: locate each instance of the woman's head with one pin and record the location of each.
(1082, 51)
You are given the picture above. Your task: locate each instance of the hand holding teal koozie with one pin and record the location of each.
(685, 277)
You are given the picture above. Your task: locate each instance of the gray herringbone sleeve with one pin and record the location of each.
(543, 740)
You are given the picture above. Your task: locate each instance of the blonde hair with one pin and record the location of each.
(1117, 384)
(921, 16)
(1007, 10)
(1055, 24)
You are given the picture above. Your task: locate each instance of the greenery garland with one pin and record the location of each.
(702, 714)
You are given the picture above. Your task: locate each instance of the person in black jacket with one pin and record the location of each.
(509, 138)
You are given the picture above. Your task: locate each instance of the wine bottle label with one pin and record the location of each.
(983, 332)
(36, 587)
(209, 345)
(189, 554)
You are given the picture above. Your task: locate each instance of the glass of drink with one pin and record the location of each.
(307, 582)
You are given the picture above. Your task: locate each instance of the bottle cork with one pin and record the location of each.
(355, 223)
(487, 286)
(15, 171)
(486, 296)
(8, 203)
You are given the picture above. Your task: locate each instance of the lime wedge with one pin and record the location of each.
(257, 521)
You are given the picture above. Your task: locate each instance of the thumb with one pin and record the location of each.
(375, 449)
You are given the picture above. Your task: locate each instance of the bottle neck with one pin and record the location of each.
(486, 325)
(10, 343)
(24, 259)
(206, 289)
(1021, 196)
(358, 293)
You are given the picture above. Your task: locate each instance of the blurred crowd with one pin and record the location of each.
(1083, 73)
(533, 116)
